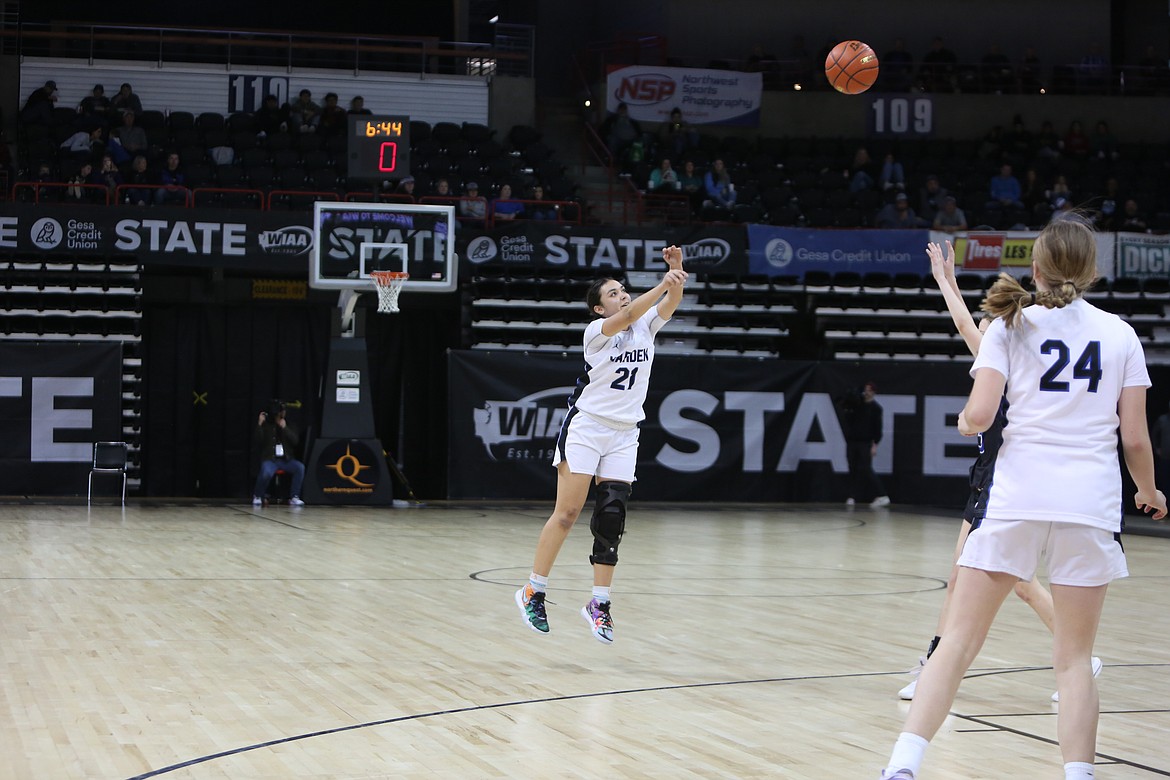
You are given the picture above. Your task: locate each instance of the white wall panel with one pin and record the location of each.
(205, 88)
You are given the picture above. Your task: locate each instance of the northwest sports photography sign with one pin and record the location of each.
(780, 251)
(705, 97)
(607, 250)
(716, 428)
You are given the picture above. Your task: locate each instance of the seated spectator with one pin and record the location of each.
(272, 118)
(138, 196)
(1132, 220)
(1032, 190)
(542, 209)
(1060, 207)
(442, 189)
(126, 100)
(691, 182)
(1030, 71)
(897, 214)
(405, 187)
(109, 175)
(1104, 145)
(304, 114)
(94, 109)
(1075, 144)
(893, 176)
(358, 106)
(472, 209)
(676, 136)
(1058, 190)
(939, 67)
(1047, 142)
(76, 193)
(664, 178)
(897, 68)
(84, 144)
(130, 136)
(619, 131)
(1111, 204)
(992, 145)
(996, 71)
(332, 117)
(950, 219)
(930, 198)
(718, 187)
(1005, 190)
(503, 207)
(173, 181)
(1018, 144)
(44, 175)
(861, 172)
(277, 441)
(38, 109)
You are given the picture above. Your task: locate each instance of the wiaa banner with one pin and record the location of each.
(225, 238)
(533, 245)
(56, 399)
(716, 429)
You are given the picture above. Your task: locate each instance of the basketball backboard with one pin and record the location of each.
(352, 239)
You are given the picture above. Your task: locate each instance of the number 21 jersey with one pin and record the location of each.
(617, 371)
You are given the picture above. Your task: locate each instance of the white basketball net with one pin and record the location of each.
(389, 285)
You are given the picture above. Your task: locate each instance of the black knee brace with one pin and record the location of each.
(608, 522)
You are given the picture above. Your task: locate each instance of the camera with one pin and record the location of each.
(275, 407)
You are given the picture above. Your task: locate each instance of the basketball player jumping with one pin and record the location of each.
(1075, 377)
(598, 442)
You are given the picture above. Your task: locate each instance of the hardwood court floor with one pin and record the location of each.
(222, 642)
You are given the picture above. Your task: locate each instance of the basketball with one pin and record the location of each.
(851, 67)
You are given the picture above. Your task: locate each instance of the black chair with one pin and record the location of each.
(109, 457)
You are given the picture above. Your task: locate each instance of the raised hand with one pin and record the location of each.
(942, 267)
(675, 277)
(672, 256)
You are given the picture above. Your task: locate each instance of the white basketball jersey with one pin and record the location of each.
(1065, 370)
(617, 371)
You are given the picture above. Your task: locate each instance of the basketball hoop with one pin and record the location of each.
(388, 285)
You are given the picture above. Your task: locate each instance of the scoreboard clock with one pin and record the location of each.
(379, 147)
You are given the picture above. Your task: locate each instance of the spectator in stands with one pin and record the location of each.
(1060, 209)
(272, 118)
(897, 215)
(332, 117)
(1005, 190)
(472, 209)
(893, 177)
(173, 180)
(619, 131)
(691, 183)
(276, 441)
(860, 173)
(1132, 220)
(861, 421)
(75, 192)
(1032, 190)
(38, 109)
(1029, 72)
(1047, 142)
(442, 189)
(1103, 145)
(304, 114)
(996, 71)
(94, 109)
(939, 67)
(1075, 144)
(358, 106)
(1018, 143)
(1059, 190)
(126, 100)
(406, 187)
(542, 209)
(141, 195)
(930, 198)
(503, 207)
(130, 136)
(897, 68)
(717, 185)
(109, 175)
(1111, 204)
(84, 144)
(676, 136)
(950, 219)
(992, 145)
(45, 175)
(664, 178)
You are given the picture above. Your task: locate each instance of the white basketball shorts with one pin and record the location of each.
(1077, 555)
(590, 447)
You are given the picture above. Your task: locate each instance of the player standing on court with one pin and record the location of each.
(598, 442)
(1074, 376)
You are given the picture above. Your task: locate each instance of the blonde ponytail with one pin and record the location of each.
(1006, 299)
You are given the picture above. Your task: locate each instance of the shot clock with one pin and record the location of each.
(379, 147)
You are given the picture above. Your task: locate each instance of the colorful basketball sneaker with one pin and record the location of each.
(596, 614)
(531, 603)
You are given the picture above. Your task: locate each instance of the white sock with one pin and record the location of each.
(538, 582)
(907, 753)
(601, 594)
(1078, 770)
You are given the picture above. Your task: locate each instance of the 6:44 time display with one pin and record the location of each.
(378, 147)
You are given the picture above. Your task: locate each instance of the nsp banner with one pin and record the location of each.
(56, 399)
(705, 97)
(716, 429)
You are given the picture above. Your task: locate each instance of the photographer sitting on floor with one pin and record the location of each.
(275, 440)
